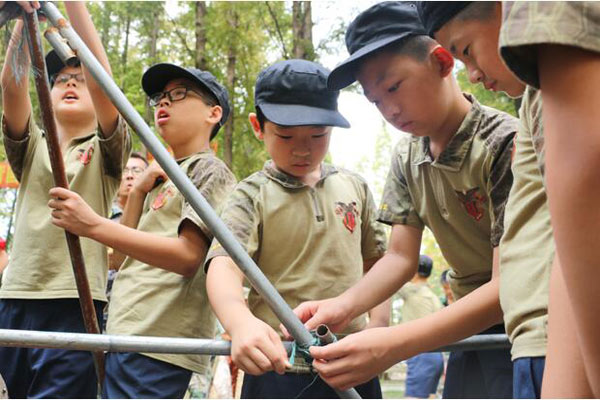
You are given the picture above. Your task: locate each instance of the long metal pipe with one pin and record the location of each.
(186, 187)
(171, 345)
(60, 179)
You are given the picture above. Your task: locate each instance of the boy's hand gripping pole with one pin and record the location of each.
(60, 179)
(185, 186)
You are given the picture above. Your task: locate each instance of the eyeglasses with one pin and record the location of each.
(63, 78)
(133, 170)
(176, 94)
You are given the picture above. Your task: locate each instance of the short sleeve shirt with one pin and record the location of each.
(527, 24)
(40, 266)
(460, 196)
(310, 242)
(151, 301)
(527, 247)
(419, 301)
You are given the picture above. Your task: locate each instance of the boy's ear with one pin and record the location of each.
(253, 119)
(444, 60)
(216, 112)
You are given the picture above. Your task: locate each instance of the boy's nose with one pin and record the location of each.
(475, 75)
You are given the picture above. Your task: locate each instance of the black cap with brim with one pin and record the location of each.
(157, 76)
(54, 64)
(302, 115)
(378, 26)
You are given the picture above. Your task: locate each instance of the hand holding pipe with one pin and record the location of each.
(185, 186)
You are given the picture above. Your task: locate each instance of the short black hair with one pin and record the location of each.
(425, 266)
(135, 154)
(444, 277)
(261, 118)
(416, 47)
(477, 11)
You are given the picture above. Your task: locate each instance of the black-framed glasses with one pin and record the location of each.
(64, 77)
(133, 170)
(175, 94)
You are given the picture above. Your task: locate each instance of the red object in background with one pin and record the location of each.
(7, 178)
(2, 244)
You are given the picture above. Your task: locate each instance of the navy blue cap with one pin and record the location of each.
(425, 265)
(376, 27)
(435, 14)
(294, 93)
(157, 76)
(54, 64)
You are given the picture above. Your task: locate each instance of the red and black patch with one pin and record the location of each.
(348, 213)
(85, 156)
(473, 201)
(161, 198)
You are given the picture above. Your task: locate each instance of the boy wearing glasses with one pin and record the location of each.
(160, 290)
(38, 290)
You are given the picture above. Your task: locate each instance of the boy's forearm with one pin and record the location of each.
(177, 255)
(468, 316)
(15, 92)
(383, 279)
(81, 22)
(224, 285)
(379, 316)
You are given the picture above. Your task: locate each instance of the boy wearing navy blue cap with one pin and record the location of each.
(309, 226)
(159, 290)
(452, 176)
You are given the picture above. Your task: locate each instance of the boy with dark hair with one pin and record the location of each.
(527, 251)
(452, 176)
(160, 288)
(38, 288)
(424, 370)
(309, 226)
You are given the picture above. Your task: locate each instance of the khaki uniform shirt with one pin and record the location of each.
(460, 196)
(527, 247)
(419, 301)
(309, 242)
(150, 301)
(40, 265)
(529, 23)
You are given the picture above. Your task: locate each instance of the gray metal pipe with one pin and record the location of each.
(154, 344)
(186, 187)
(61, 47)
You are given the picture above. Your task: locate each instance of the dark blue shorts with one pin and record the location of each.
(528, 374)
(299, 386)
(481, 374)
(135, 376)
(47, 373)
(423, 374)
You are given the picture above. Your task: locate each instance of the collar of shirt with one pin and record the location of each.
(457, 149)
(291, 182)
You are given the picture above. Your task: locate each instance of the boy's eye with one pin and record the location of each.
(283, 137)
(320, 135)
(466, 51)
(394, 87)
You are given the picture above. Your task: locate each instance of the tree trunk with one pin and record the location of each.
(125, 50)
(302, 30)
(201, 35)
(231, 78)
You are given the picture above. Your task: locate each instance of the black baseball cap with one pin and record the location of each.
(378, 26)
(54, 64)
(294, 93)
(157, 76)
(435, 14)
(425, 265)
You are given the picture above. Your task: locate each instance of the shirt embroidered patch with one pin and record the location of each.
(85, 156)
(162, 198)
(473, 201)
(348, 213)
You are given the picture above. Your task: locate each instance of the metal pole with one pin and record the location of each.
(185, 186)
(61, 47)
(325, 335)
(60, 179)
(171, 345)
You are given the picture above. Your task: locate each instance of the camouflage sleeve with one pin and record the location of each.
(115, 149)
(242, 215)
(373, 233)
(17, 151)
(396, 204)
(499, 182)
(527, 24)
(214, 181)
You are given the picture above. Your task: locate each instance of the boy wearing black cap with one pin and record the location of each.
(452, 176)
(472, 31)
(159, 290)
(38, 290)
(309, 226)
(423, 370)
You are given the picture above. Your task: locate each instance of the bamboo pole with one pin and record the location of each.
(60, 179)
